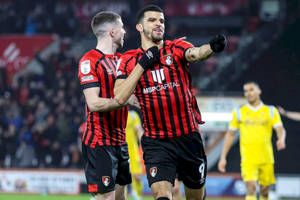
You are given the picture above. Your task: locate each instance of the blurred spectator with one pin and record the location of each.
(10, 144)
(25, 155)
(2, 145)
(56, 154)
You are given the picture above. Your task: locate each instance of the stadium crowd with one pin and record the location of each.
(41, 116)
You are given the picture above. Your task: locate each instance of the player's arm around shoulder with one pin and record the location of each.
(131, 71)
(90, 83)
(98, 104)
(216, 45)
(128, 74)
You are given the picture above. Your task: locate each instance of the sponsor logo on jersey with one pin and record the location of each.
(160, 87)
(149, 54)
(158, 75)
(153, 171)
(87, 78)
(105, 180)
(85, 67)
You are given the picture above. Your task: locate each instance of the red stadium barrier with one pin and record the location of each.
(16, 51)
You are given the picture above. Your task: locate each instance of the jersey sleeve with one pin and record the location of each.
(125, 66)
(180, 47)
(87, 73)
(276, 120)
(234, 123)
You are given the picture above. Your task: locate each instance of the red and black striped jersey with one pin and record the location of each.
(102, 128)
(164, 91)
(196, 108)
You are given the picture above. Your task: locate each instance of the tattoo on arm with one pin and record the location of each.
(198, 53)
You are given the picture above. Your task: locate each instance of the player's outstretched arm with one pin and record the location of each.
(98, 104)
(289, 114)
(281, 134)
(125, 87)
(229, 137)
(216, 45)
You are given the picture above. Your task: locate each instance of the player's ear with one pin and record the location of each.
(111, 32)
(139, 27)
(259, 91)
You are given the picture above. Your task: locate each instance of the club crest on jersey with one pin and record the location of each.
(168, 59)
(85, 67)
(105, 180)
(153, 171)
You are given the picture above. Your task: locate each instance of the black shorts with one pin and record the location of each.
(106, 166)
(183, 155)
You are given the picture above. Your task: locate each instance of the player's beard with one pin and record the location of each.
(152, 36)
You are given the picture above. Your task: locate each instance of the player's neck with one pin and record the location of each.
(146, 43)
(106, 46)
(255, 103)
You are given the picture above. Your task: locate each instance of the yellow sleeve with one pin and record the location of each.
(276, 120)
(234, 123)
(137, 120)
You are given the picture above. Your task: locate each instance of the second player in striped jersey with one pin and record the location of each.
(104, 147)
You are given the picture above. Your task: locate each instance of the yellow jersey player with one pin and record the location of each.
(255, 121)
(134, 132)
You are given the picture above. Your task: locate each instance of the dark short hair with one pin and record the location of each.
(252, 82)
(101, 18)
(147, 8)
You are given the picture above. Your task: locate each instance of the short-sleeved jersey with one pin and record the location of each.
(255, 125)
(102, 128)
(164, 91)
(133, 121)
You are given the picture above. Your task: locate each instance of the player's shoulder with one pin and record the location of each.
(118, 55)
(132, 52)
(92, 55)
(240, 108)
(269, 108)
(130, 55)
(177, 42)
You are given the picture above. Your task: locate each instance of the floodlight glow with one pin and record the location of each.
(214, 116)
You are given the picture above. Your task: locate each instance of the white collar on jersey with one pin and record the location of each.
(255, 108)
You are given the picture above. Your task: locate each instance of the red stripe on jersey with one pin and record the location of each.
(189, 117)
(174, 112)
(172, 109)
(90, 120)
(106, 94)
(181, 104)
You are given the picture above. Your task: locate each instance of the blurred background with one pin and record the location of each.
(42, 107)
